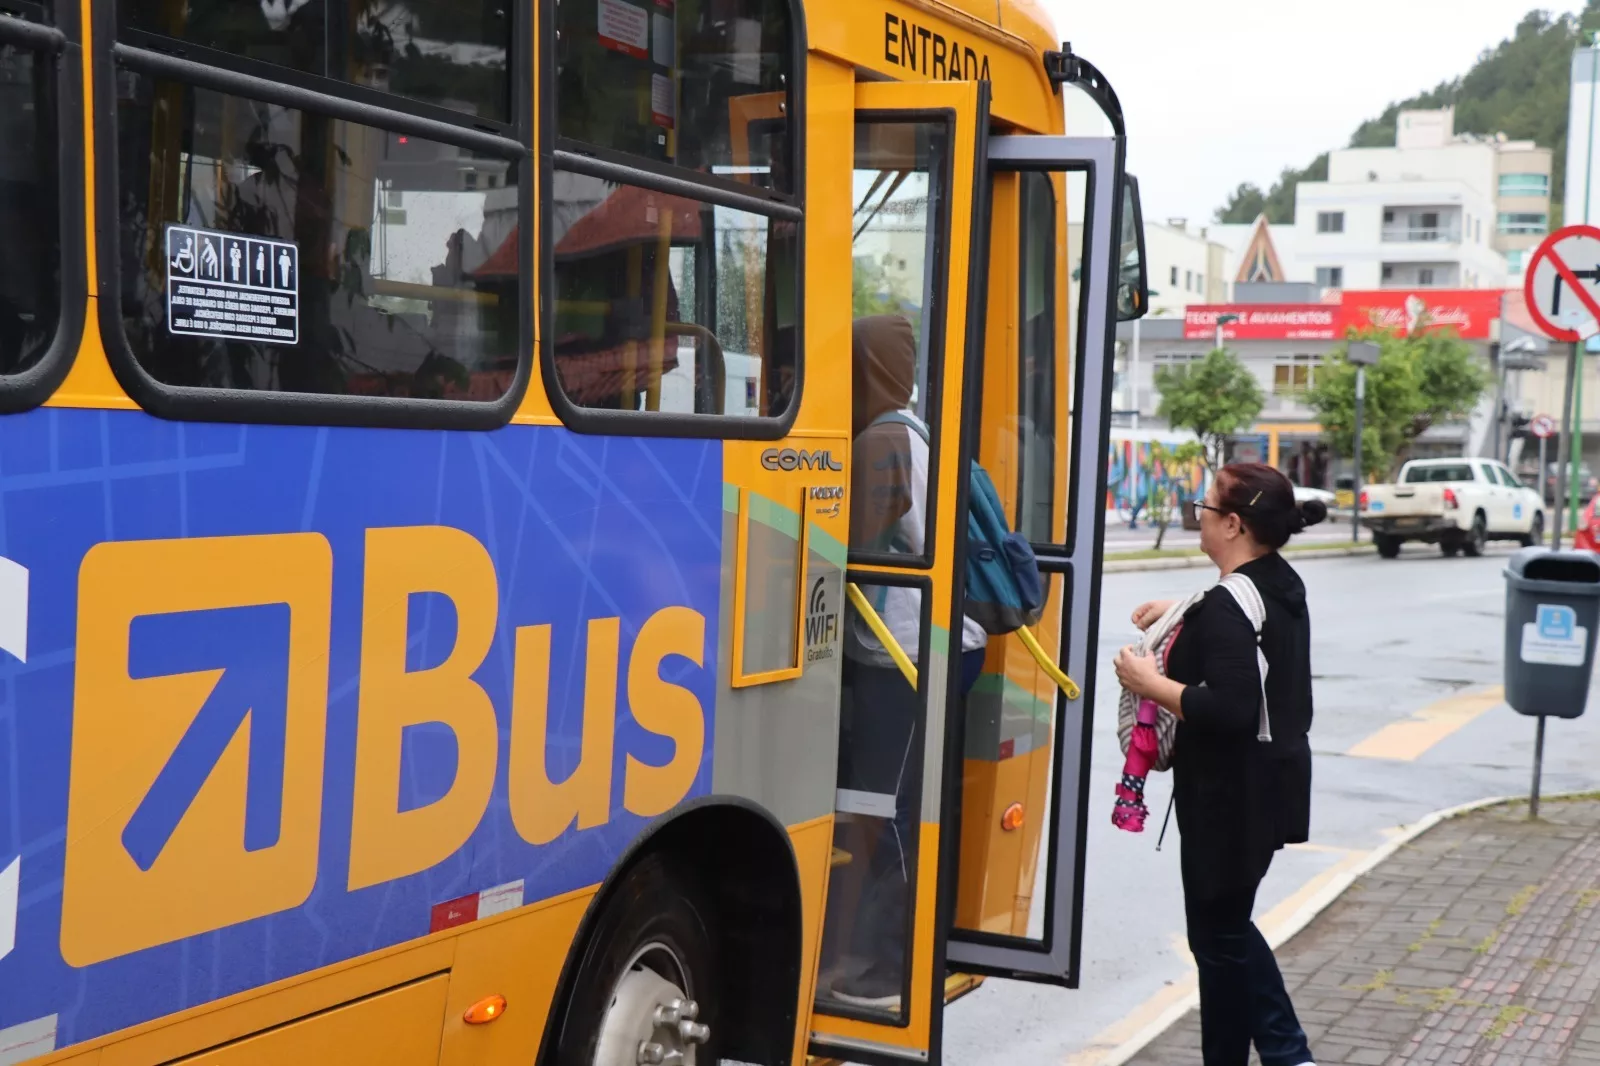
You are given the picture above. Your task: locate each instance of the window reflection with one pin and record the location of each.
(452, 53)
(1037, 358)
(698, 83)
(668, 304)
(30, 254)
(407, 248)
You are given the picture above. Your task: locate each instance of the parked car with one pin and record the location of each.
(1458, 504)
(1588, 484)
(1302, 493)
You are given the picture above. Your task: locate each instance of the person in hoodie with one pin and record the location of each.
(1239, 799)
(865, 952)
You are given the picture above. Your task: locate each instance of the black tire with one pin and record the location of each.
(1536, 534)
(1450, 548)
(657, 903)
(1388, 546)
(1477, 538)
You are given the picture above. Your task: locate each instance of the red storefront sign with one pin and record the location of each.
(1263, 322)
(1467, 311)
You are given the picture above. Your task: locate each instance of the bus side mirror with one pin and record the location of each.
(1133, 283)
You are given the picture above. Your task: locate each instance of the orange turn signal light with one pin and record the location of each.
(1012, 819)
(485, 1010)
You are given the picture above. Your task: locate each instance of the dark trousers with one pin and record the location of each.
(1242, 997)
(880, 758)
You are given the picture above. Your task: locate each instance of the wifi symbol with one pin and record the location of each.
(818, 602)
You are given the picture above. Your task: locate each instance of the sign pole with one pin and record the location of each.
(1538, 769)
(1355, 481)
(1576, 450)
(1565, 439)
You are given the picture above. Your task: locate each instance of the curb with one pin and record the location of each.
(1314, 906)
(1194, 562)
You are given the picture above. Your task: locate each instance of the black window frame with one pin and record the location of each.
(940, 217)
(57, 43)
(199, 67)
(608, 164)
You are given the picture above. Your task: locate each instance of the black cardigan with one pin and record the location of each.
(1240, 800)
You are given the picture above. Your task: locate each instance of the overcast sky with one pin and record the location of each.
(1235, 90)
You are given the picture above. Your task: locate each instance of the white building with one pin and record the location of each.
(1438, 210)
(1185, 266)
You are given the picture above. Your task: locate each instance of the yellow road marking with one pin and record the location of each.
(1405, 740)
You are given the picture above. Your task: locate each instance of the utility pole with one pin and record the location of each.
(1363, 354)
(1133, 374)
(1577, 348)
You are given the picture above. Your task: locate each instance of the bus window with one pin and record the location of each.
(452, 54)
(311, 209)
(1037, 358)
(30, 254)
(899, 175)
(657, 84)
(669, 304)
(407, 249)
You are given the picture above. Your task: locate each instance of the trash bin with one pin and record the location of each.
(1552, 615)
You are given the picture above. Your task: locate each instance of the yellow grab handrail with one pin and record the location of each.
(1065, 683)
(881, 631)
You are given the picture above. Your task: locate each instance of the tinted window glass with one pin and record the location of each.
(397, 266)
(1420, 474)
(897, 190)
(698, 83)
(453, 53)
(1037, 358)
(30, 253)
(663, 303)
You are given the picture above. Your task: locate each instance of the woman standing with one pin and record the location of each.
(1239, 798)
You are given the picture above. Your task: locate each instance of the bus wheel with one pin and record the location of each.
(646, 990)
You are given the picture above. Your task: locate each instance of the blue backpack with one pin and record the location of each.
(1004, 588)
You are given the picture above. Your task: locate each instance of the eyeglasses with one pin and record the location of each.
(1201, 505)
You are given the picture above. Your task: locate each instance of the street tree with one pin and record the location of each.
(1214, 398)
(1420, 380)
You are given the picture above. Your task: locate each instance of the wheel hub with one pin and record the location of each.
(651, 1020)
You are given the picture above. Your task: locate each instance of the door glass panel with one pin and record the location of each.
(30, 254)
(898, 260)
(1036, 359)
(1013, 712)
(866, 943)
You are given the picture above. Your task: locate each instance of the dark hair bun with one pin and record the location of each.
(1311, 512)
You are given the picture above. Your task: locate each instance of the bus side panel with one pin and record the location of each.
(228, 768)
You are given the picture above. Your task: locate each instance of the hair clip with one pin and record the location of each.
(1254, 498)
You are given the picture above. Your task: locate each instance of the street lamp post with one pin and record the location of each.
(1223, 320)
(1363, 354)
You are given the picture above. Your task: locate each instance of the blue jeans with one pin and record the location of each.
(1242, 997)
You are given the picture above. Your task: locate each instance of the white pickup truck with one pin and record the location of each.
(1458, 504)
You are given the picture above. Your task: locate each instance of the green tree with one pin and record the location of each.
(1418, 381)
(1214, 398)
(1169, 470)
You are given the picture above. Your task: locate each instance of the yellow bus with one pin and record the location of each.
(483, 532)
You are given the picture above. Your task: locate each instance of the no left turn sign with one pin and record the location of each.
(1563, 283)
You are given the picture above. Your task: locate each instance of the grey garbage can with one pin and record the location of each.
(1552, 616)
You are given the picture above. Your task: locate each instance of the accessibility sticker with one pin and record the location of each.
(231, 286)
(1554, 638)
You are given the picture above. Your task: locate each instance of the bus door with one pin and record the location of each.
(1064, 240)
(918, 195)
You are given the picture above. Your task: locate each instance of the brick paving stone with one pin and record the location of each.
(1478, 944)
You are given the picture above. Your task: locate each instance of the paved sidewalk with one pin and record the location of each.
(1473, 945)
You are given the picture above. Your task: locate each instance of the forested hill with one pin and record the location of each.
(1518, 88)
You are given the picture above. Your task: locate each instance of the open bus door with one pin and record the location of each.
(924, 170)
(1066, 221)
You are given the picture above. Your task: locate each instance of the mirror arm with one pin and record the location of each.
(1064, 67)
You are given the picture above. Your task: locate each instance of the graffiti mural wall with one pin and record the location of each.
(1132, 472)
